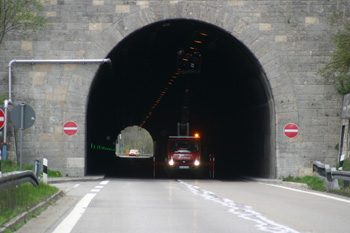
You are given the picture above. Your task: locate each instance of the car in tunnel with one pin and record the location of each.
(134, 152)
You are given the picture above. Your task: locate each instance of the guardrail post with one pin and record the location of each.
(37, 169)
(334, 182)
(45, 164)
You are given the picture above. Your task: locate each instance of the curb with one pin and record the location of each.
(26, 215)
(74, 179)
(279, 182)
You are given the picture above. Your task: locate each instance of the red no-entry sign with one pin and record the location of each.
(2, 118)
(70, 128)
(291, 130)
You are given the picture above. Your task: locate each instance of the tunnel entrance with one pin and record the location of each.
(230, 101)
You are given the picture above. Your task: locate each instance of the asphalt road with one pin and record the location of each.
(147, 205)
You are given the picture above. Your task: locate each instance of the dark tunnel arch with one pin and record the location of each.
(230, 101)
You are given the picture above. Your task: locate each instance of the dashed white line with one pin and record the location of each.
(104, 182)
(73, 217)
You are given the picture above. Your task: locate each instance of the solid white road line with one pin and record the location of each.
(69, 222)
(311, 193)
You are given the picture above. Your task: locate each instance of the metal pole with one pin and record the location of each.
(21, 142)
(4, 150)
(9, 101)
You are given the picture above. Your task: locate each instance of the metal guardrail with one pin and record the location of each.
(16, 178)
(341, 175)
(330, 174)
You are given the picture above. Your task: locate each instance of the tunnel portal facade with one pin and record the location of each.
(277, 46)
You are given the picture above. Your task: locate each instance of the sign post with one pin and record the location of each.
(291, 130)
(22, 117)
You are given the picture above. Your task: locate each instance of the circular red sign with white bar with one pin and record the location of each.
(2, 118)
(291, 130)
(70, 128)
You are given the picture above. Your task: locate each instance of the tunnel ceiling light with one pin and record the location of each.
(198, 42)
(203, 34)
(161, 95)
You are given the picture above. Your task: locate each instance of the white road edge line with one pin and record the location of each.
(69, 222)
(308, 192)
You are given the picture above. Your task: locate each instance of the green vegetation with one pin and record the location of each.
(316, 183)
(344, 185)
(20, 17)
(337, 70)
(313, 182)
(16, 200)
(9, 166)
(134, 137)
(3, 97)
(346, 165)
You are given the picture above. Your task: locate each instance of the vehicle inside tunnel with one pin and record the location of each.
(229, 101)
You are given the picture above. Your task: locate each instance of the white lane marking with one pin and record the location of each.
(104, 182)
(69, 222)
(242, 211)
(311, 193)
(76, 186)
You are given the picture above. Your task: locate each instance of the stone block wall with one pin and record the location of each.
(290, 39)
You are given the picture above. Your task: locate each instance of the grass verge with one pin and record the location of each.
(9, 166)
(312, 182)
(16, 200)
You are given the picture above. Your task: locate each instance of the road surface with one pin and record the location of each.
(148, 205)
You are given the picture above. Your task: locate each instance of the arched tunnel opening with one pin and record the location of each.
(229, 99)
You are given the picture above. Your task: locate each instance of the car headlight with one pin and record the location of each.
(171, 162)
(196, 162)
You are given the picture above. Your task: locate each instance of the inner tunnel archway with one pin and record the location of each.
(230, 102)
